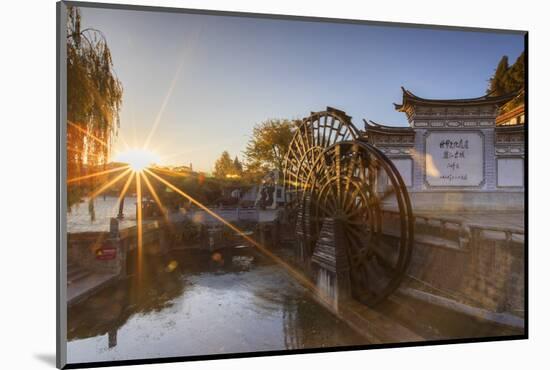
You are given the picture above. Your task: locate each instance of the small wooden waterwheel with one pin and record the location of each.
(314, 134)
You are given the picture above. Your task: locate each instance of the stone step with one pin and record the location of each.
(376, 326)
(436, 241)
(77, 274)
(444, 228)
(427, 239)
(484, 315)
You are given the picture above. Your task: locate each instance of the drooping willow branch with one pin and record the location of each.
(94, 99)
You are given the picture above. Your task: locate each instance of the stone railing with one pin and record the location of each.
(459, 231)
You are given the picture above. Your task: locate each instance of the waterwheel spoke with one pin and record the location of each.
(338, 173)
(355, 211)
(301, 145)
(329, 201)
(351, 203)
(329, 142)
(376, 250)
(323, 142)
(349, 175)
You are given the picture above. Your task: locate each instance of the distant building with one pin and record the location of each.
(513, 112)
(514, 117)
(454, 155)
(182, 169)
(268, 194)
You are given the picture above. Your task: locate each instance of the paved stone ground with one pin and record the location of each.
(83, 288)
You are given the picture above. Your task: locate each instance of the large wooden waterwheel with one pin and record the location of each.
(354, 183)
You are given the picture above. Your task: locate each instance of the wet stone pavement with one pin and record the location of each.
(198, 303)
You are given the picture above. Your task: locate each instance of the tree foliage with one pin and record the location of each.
(237, 165)
(496, 83)
(268, 145)
(507, 79)
(225, 167)
(206, 190)
(94, 99)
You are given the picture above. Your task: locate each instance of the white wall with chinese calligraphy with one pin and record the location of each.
(454, 158)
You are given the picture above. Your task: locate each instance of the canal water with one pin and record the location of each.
(197, 303)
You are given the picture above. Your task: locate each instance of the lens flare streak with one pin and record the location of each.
(80, 178)
(123, 191)
(110, 183)
(85, 132)
(157, 199)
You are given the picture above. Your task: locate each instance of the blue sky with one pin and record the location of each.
(207, 80)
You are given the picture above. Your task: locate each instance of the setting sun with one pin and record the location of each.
(137, 159)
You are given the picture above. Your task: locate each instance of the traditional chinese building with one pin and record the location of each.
(515, 116)
(453, 155)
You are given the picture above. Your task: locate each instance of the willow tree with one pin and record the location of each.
(94, 99)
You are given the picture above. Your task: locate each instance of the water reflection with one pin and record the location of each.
(193, 303)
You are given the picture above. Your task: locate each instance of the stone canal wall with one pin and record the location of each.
(108, 252)
(479, 266)
(84, 249)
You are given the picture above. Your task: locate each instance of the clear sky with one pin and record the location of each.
(206, 80)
